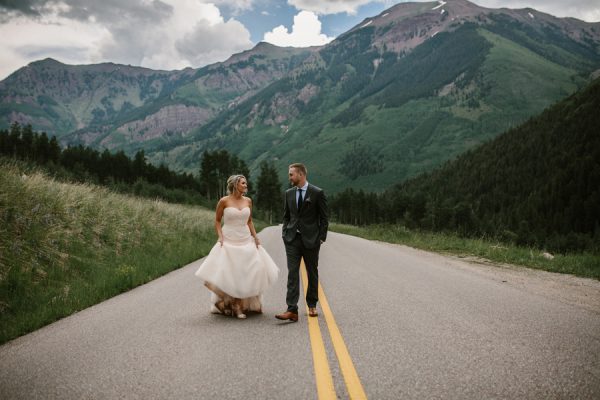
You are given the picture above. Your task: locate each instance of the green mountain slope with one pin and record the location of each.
(61, 98)
(538, 183)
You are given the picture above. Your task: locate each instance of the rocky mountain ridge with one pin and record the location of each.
(86, 103)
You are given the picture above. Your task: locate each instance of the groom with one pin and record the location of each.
(304, 230)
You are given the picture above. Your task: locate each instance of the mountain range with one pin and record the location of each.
(396, 95)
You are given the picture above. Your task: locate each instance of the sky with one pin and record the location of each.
(175, 34)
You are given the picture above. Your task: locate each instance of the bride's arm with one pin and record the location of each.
(218, 217)
(251, 225)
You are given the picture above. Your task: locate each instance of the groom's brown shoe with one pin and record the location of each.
(288, 315)
(312, 312)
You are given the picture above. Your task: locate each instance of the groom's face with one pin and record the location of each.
(294, 176)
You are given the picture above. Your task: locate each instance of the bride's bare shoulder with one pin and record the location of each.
(223, 202)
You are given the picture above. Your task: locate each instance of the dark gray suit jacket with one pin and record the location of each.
(311, 221)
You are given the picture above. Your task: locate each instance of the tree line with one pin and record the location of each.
(137, 176)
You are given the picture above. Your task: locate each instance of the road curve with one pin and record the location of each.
(417, 325)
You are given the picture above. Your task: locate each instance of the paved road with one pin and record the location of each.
(417, 326)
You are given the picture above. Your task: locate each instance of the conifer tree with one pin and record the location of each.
(269, 197)
(54, 151)
(215, 168)
(42, 148)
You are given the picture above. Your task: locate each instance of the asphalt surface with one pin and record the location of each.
(417, 326)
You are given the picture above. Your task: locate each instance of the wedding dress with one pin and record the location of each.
(237, 269)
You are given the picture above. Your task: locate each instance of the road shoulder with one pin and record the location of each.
(566, 288)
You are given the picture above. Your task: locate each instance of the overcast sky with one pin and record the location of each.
(174, 34)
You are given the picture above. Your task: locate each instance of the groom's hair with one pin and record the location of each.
(301, 168)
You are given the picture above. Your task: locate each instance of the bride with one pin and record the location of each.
(238, 269)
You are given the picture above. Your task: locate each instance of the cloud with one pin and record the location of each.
(108, 11)
(329, 6)
(167, 34)
(22, 6)
(199, 47)
(235, 5)
(25, 39)
(306, 31)
(587, 10)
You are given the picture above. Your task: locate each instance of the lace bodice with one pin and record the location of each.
(235, 224)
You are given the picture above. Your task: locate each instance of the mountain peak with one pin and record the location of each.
(46, 62)
(404, 26)
(268, 50)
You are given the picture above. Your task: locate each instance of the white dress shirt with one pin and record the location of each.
(304, 188)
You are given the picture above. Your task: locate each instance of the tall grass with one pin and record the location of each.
(580, 264)
(64, 247)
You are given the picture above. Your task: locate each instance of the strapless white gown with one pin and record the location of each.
(238, 268)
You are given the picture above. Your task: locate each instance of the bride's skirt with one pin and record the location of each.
(238, 269)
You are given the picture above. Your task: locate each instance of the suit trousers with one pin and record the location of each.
(295, 251)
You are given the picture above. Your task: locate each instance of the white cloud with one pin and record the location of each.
(24, 40)
(168, 34)
(587, 10)
(194, 35)
(306, 31)
(235, 5)
(199, 47)
(329, 6)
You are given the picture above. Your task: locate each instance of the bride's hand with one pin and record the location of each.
(221, 242)
(257, 241)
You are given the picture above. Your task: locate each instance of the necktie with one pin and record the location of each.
(300, 200)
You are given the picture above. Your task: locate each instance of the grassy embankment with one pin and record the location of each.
(583, 264)
(65, 247)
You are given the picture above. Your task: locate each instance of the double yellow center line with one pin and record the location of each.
(324, 380)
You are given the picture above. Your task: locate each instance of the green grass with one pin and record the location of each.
(65, 247)
(584, 264)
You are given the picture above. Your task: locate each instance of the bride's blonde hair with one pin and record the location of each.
(232, 182)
